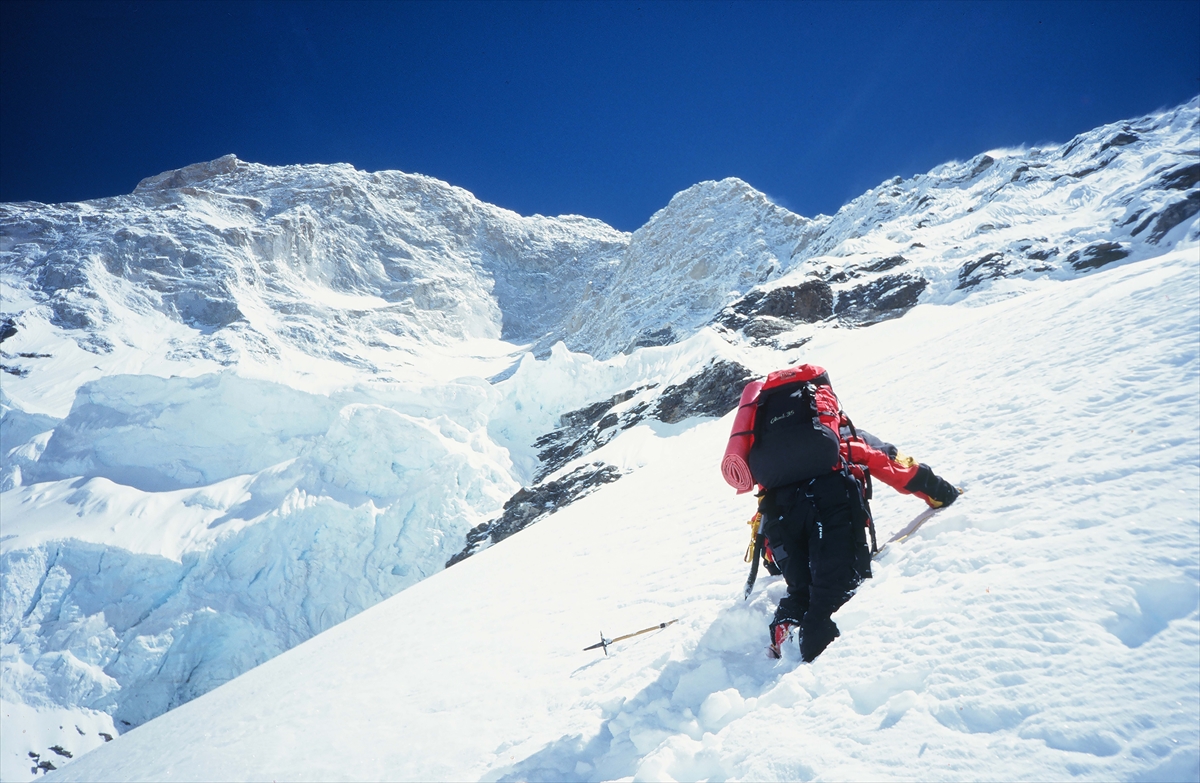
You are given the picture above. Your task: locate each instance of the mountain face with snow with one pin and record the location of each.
(246, 403)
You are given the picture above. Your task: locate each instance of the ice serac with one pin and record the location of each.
(245, 403)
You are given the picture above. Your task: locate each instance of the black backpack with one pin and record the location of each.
(791, 443)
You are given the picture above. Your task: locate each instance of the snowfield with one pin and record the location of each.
(251, 413)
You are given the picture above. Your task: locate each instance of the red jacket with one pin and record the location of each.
(882, 459)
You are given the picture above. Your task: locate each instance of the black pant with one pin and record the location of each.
(816, 533)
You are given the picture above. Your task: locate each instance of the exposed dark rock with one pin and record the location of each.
(61, 751)
(988, 267)
(202, 312)
(8, 327)
(191, 175)
(1120, 140)
(714, 391)
(529, 505)
(1134, 217)
(97, 344)
(68, 314)
(883, 265)
(1027, 172)
(748, 304)
(107, 737)
(762, 315)
(1181, 178)
(586, 417)
(58, 273)
(884, 298)
(1042, 253)
(1083, 172)
(808, 302)
(1174, 215)
(580, 432)
(20, 372)
(981, 165)
(1071, 147)
(663, 336)
(1098, 161)
(1140, 227)
(793, 346)
(1097, 255)
(764, 327)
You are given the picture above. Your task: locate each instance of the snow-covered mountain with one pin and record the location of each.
(246, 403)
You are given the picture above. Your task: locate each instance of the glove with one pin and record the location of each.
(936, 491)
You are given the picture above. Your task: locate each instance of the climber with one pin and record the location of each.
(814, 471)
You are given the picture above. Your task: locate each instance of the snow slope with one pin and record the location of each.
(1046, 627)
(246, 403)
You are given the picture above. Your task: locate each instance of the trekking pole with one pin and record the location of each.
(754, 558)
(606, 642)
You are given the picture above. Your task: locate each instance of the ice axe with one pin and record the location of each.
(754, 553)
(606, 642)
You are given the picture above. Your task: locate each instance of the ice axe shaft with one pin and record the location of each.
(756, 555)
(606, 642)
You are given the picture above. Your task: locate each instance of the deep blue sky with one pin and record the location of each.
(600, 109)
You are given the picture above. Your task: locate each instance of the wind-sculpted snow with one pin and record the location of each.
(246, 403)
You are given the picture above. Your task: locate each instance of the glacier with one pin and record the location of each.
(245, 404)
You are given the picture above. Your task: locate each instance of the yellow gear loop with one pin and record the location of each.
(753, 523)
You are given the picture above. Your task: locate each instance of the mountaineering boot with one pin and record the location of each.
(815, 635)
(786, 621)
(781, 632)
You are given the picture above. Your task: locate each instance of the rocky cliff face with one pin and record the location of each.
(325, 259)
